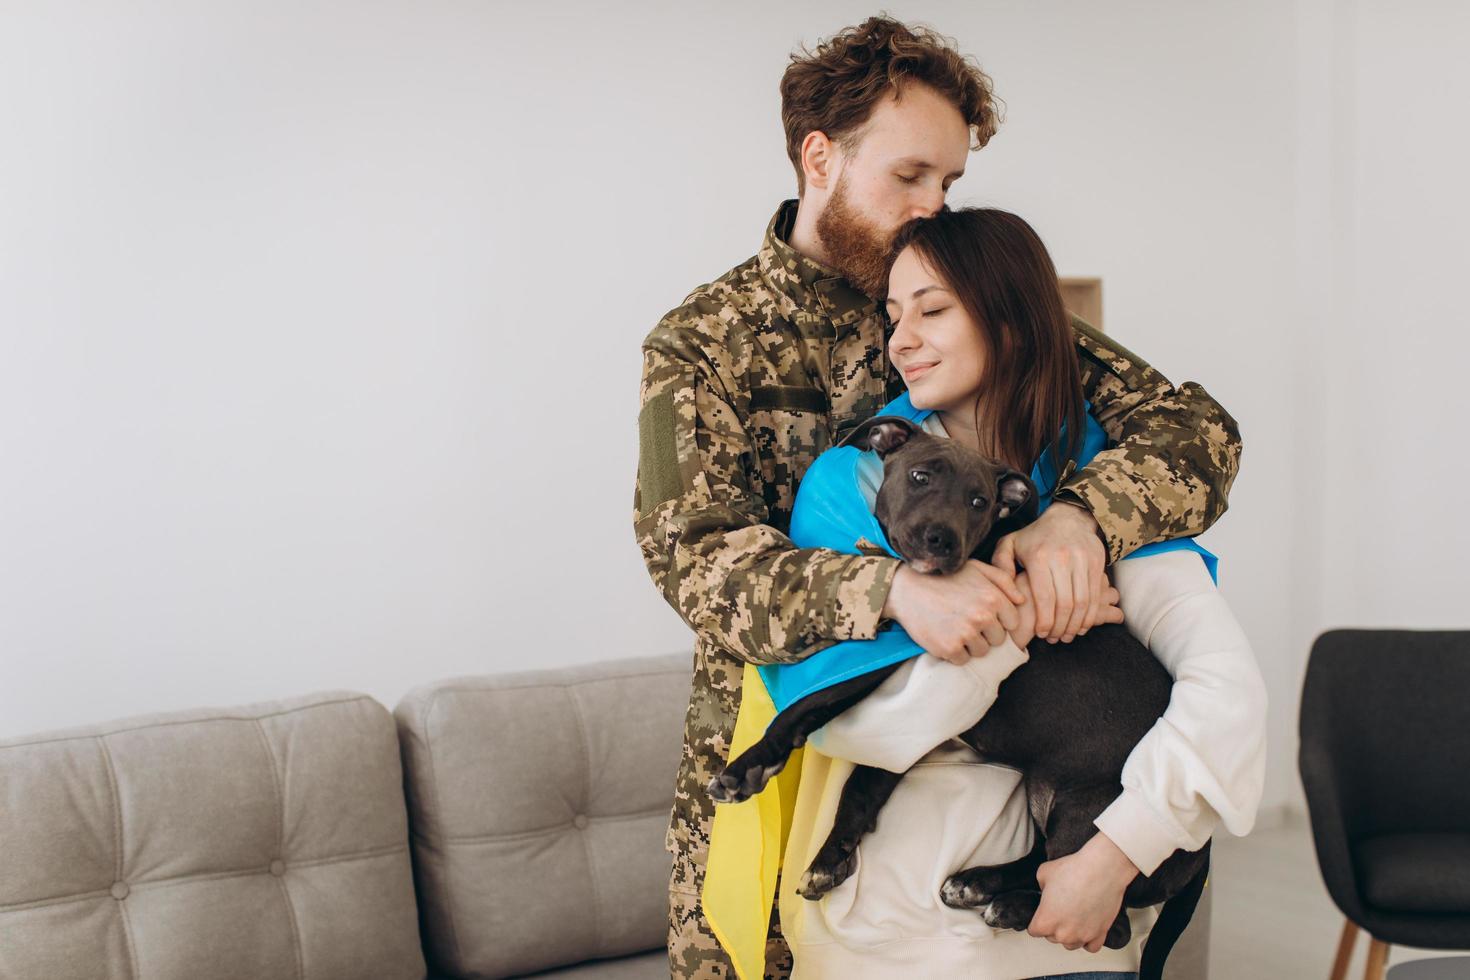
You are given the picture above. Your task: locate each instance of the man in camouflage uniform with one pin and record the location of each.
(777, 360)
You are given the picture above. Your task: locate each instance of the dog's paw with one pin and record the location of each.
(961, 895)
(969, 889)
(1119, 933)
(741, 780)
(1011, 910)
(722, 788)
(826, 874)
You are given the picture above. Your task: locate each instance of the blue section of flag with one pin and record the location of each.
(830, 512)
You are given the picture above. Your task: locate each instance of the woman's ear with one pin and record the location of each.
(881, 434)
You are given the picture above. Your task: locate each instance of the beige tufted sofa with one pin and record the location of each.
(488, 827)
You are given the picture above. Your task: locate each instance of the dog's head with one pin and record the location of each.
(941, 503)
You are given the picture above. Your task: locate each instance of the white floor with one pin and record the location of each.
(1273, 919)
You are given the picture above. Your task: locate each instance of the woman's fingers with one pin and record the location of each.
(1003, 580)
(1045, 597)
(1111, 611)
(994, 634)
(1097, 598)
(1061, 583)
(1026, 612)
(1009, 616)
(1081, 600)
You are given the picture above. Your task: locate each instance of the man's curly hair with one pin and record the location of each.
(834, 88)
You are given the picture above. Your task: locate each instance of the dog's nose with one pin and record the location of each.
(940, 539)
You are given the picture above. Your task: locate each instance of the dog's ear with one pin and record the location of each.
(1015, 494)
(882, 434)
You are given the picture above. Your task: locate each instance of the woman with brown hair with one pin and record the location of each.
(986, 349)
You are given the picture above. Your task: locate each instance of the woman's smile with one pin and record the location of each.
(914, 371)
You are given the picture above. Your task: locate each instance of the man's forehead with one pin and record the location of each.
(922, 129)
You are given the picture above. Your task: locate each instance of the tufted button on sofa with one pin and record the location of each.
(267, 841)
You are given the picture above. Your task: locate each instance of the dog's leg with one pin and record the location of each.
(1168, 879)
(1012, 909)
(1070, 826)
(975, 887)
(759, 764)
(863, 795)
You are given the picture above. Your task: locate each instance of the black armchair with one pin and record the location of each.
(1385, 761)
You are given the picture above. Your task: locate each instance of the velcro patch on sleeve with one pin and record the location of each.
(658, 458)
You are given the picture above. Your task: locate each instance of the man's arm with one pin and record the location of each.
(703, 532)
(1176, 456)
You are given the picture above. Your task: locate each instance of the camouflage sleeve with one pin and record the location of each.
(1175, 451)
(706, 539)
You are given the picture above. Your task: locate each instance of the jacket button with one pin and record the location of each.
(278, 867)
(580, 821)
(120, 890)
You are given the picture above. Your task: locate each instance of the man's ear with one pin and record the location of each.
(882, 434)
(1015, 494)
(818, 160)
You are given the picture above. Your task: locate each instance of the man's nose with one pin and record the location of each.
(927, 203)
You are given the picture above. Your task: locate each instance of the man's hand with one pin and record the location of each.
(1064, 556)
(1081, 894)
(955, 617)
(1111, 612)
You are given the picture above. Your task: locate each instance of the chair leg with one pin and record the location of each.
(1345, 949)
(1377, 959)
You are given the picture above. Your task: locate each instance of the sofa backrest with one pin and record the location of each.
(539, 803)
(268, 840)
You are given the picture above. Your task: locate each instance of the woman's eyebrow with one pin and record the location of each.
(894, 301)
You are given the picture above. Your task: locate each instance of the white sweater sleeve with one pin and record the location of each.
(1205, 760)
(916, 708)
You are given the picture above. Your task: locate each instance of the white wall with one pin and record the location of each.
(1395, 360)
(320, 326)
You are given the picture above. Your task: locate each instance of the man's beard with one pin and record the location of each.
(855, 247)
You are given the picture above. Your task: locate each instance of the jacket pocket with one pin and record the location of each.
(788, 428)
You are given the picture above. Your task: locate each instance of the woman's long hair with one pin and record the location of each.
(997, 268)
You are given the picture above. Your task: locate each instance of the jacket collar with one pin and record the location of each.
(805, 286)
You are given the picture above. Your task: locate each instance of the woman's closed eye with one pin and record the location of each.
(936, 311)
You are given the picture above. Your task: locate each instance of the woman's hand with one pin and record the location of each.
(1065, 557)
(1081, 894)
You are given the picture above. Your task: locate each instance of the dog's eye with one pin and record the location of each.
(919, 477)
(979, 503)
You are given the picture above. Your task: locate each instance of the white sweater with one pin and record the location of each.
(1202, 763)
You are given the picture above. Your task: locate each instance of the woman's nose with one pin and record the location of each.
(902, 339)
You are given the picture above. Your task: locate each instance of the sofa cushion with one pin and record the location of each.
(268, 840)
(538, 803)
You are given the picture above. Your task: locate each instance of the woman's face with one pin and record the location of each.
(935, 344)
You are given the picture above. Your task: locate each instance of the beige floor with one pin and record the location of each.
(1273, 919)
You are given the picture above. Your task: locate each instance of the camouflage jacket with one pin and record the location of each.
(745, 384)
